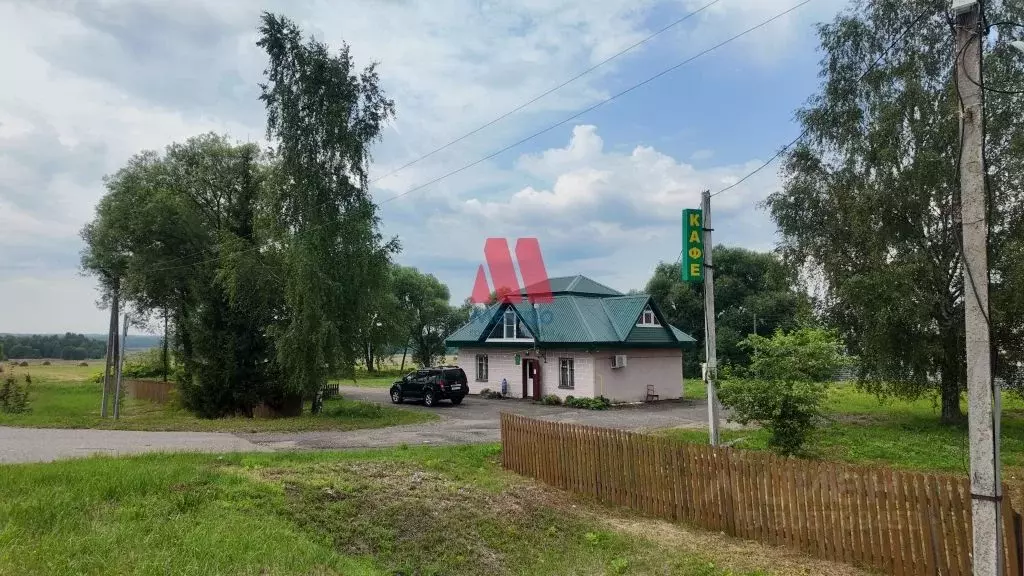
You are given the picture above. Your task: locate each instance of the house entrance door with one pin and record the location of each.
(531, 379)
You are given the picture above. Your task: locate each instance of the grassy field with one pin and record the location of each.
(863, 429)
(63, 395)
(401, 511)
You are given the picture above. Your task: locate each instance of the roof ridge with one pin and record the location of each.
(583, 320)
(611, 319)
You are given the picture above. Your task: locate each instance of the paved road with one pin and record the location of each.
(46, 444)
(475, 420)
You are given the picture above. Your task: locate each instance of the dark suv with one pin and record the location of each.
(431, 385)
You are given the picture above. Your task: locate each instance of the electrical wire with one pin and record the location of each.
(548, 92)
(873, 65)
(598, 104)
(557, 124)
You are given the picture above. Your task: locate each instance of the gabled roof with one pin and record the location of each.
(579, 314)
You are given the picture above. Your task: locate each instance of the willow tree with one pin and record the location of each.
(322, 116)
(870, 196)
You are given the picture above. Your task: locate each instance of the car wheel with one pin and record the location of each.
(457, 400)
(428, 398)
(396, 395)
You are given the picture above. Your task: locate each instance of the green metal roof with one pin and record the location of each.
(576, 285)
(578, 318)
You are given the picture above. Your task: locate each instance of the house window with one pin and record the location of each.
(647, 318)
(510, 323)
(481, 367)
(566, 373)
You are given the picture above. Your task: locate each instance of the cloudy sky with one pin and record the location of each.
(89, 83)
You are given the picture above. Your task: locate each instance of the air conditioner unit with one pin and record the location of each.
(619, 361)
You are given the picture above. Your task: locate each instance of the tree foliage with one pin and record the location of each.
(785, 384)
(870, 199)
(323, 115)
(67, 346)
(748, 285)
(423, 302)
(268, 264)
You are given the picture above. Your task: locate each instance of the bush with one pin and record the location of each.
(83, 364)
(46, 362)
(28, 378)
(490, 394)
(599, 403)
(23, 364)
(14, 398)
(551, 400)
(787, 385)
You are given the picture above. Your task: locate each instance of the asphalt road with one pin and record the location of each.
(476, 420)
(47, 444)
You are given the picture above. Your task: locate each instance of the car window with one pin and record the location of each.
(456, 375)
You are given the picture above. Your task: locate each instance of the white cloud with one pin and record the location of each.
(612, 215)
(89, 83)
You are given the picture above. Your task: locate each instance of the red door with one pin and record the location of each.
(531, 379)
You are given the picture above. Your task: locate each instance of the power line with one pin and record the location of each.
(560, 123)
(548, 92)
(873, 65)
(597, 105)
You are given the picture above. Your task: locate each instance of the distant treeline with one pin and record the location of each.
(67, 347)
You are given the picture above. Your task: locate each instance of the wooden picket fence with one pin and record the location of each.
(152, 390)
(895, 522)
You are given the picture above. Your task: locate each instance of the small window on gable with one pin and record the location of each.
(647, 318)
(510, 328)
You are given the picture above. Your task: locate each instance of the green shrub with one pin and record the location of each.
(28, 378)
(14, 398)
(787, 385)
(551, 400)
(599, 403)
(46, 362)
(23, 364)
(83, 364)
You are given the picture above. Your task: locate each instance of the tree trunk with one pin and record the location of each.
(405, 351)
(369, 358)
(950, 392)
(166, 356)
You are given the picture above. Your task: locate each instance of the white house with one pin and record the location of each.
(588, 341)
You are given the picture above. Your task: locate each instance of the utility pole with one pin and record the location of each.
(983, 422)
(710, 345)
(111, 347)
(120, 370)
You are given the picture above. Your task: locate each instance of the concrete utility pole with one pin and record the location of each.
(120, 370)
(983, 422)
(710, 344)
(111, 347)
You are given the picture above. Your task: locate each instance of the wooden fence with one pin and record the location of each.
(895, 522)
(153, 390)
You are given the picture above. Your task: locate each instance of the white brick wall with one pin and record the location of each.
(501, 364)
(660, 367)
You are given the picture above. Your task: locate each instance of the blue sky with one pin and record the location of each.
(90, 83)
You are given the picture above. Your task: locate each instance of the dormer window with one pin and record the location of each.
(510, 328)
(510, 323)
(647, 318)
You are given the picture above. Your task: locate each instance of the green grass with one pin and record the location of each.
(402, 511)
(63, 399)
(905, 434)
